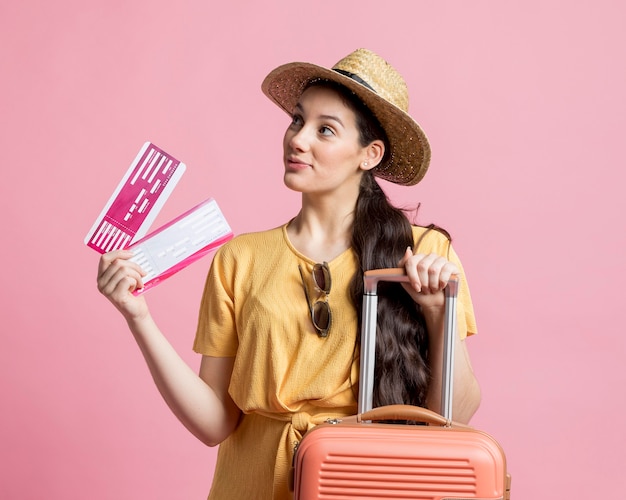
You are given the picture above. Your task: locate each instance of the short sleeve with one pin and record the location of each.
(216, 334)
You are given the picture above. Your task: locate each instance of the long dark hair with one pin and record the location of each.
(380, 235)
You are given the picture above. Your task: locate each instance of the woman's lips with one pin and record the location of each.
(294, 163)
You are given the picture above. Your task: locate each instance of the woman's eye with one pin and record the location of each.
(296, 120)
(326, 131)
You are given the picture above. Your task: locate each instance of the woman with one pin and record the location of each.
(280, 316)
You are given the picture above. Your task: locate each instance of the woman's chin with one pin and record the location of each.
(293, 182)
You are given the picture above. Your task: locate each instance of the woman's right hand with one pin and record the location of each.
(118, 278)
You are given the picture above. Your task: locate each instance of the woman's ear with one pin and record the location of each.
(374, 153)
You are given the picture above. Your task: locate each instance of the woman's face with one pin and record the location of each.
(322, 151)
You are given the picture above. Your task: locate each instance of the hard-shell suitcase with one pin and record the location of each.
(357, 458)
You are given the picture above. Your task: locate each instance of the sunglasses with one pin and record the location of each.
(320, 310)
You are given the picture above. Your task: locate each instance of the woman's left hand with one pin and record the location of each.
(428, 276)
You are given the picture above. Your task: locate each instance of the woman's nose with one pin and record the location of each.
(299, 139)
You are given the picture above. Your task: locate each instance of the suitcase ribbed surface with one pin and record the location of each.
(344, 476)
(399, 462)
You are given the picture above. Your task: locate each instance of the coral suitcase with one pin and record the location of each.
(356, 457)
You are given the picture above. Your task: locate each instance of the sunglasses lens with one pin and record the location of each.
(321, 276)
(320, 310)
(321, 317)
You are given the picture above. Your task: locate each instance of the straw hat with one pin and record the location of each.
(382, 89)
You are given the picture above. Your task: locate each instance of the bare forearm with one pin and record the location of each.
(202, 411)
(201, 402)
(466, 391)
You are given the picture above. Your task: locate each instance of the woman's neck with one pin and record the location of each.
(322, 231)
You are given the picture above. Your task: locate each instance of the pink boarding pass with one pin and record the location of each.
(136, 201)
(180, 243)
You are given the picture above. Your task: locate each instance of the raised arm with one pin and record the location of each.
(200, 401)
(428, 276)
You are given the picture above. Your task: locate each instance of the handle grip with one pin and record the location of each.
(398, 274)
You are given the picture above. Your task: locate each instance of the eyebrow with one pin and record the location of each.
(323, 117)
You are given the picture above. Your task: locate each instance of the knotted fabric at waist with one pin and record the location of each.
(303, 420)
(296, 425)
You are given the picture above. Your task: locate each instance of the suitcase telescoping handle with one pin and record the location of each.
(368, 337)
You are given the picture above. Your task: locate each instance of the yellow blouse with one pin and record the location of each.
(285, 379)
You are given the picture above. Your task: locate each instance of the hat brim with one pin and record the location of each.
(410, 151)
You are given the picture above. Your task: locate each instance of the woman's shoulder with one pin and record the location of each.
(430, 239)
(256, 237)
(251, 252)
(252, 243)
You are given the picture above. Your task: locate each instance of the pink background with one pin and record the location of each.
(525, 107)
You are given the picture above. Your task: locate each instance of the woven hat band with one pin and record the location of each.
(356, 78)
